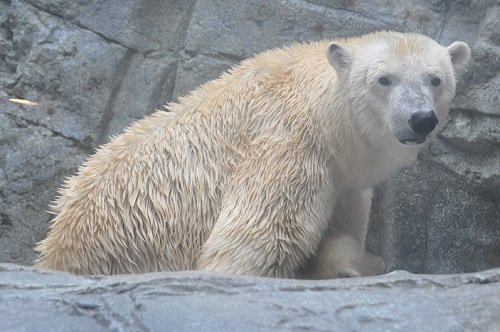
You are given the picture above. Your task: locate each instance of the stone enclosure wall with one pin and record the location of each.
(94, 67)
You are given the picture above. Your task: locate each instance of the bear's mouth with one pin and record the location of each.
(413, 141)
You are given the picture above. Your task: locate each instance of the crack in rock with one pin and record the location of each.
(117, 80)
(83, 27)
(20, 119)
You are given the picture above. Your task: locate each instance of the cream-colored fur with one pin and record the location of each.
(260, 172)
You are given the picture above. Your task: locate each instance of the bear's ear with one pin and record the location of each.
(459, 55)
(339, 57)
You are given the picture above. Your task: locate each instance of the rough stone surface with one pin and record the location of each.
(32, 300)
(94, 67)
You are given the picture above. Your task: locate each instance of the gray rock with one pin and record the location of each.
(94, 67)
(89, 80)
(34, 300)
(438, 224)
(223, 33)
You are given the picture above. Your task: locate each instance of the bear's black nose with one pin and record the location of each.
(423, 123)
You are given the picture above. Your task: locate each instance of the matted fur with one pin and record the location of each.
(241, 176)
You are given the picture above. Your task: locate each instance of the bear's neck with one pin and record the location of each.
(358, 159)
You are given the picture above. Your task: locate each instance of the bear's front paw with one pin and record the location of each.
(372, 265)
(347, 266)
(348, 272)
(366, 265)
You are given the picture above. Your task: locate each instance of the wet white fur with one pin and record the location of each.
(264, 171)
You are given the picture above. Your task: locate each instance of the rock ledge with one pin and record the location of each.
(34, 300)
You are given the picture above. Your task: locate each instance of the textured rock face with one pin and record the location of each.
(94, 67)
(39, 301)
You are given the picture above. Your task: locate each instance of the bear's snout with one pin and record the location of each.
(422, 123)
(413, 128)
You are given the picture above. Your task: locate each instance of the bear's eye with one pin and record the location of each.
(436, 81)
(384, 80)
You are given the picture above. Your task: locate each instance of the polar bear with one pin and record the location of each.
(265, 171)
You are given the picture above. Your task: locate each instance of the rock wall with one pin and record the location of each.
(33, 300)
(94, 67)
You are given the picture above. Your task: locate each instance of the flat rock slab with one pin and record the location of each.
(33, 300)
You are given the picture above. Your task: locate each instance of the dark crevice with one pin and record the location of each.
(184, 27)
(5, 220)
(104, 315)
(137, 319)
(24, 122)
(116, 83)
(158, 91)
(324, 6)
(111, 40)
(6, 39)
(226, 57)
(447, 6)
(83, 27)
(426, 236)
(220, 56)
(473, 113)
(163, 91)
(8, 34)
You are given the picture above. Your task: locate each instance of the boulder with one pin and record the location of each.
(33, 300)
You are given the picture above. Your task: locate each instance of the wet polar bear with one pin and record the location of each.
(265, 171)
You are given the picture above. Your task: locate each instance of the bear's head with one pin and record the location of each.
(403, 83)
